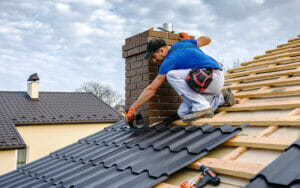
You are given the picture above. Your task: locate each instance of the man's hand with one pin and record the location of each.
(130, 114)
(203, 41)
(184, 36)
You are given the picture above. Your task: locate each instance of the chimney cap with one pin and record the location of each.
(33, 77)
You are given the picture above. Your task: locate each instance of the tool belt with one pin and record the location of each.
(199, 79)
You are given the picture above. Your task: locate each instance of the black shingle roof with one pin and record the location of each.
(121, 157)
(9, 136)
(16, 108)
(282, 172)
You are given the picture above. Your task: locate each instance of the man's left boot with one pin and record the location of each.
(197, 115)
(228, 97)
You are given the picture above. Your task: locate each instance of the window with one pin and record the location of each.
(21, 157)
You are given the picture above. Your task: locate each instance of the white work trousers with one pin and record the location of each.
(193, 101)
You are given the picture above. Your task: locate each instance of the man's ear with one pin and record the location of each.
(163, 50)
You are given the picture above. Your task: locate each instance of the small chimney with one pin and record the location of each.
(33, 86)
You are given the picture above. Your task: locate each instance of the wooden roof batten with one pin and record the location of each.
(279, 92)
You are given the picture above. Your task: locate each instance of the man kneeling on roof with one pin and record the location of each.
(196, 77)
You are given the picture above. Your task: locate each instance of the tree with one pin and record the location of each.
(105, 93)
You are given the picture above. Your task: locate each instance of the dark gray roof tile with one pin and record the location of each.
(282, 172)
(121, 157)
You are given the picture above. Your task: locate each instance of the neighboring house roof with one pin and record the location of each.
(9, 136)
(122, 157)
(16, 108)
(283, 172)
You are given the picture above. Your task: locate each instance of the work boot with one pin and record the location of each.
(228, 97)
(198, 114)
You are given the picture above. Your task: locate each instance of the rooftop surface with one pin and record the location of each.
(122, 157)
(16, 108)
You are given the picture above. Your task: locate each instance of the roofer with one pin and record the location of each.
(196, 77)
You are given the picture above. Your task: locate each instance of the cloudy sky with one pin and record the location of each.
(68, 42)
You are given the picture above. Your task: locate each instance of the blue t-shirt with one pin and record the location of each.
(186, 55)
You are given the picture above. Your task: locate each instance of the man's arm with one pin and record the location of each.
(203, 41)
(149, 91)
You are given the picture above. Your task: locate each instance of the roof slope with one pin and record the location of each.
(268, 93)
(283, 172)
(51, 108)
(9, 136)
(121, 157)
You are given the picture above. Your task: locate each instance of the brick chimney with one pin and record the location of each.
(140, 73)
(33, 86)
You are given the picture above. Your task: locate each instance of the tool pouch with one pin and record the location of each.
(199, 79)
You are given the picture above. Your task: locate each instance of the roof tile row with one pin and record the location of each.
(121, 157)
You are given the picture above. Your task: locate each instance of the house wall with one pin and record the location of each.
(44, 139)
(7, 161)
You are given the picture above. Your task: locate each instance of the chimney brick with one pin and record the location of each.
(140, 73)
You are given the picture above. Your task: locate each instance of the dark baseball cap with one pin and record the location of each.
(153, 45)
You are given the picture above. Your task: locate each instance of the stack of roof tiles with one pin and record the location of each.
(121, 157)
(52, 108)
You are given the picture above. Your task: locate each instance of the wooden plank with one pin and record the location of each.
(277, 82)
(271, 93)
(292, 121)
(272, 58)
(289, 50)
(265, 75)
(283, 48)
(264, 63)
(271, 105)
(165, 185)
(230, 167)
(262, 70)
(278, 143)
(295, 39)
(288, 44)
(288, 54)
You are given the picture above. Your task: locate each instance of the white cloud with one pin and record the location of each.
(71, 41)
(63, 7)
